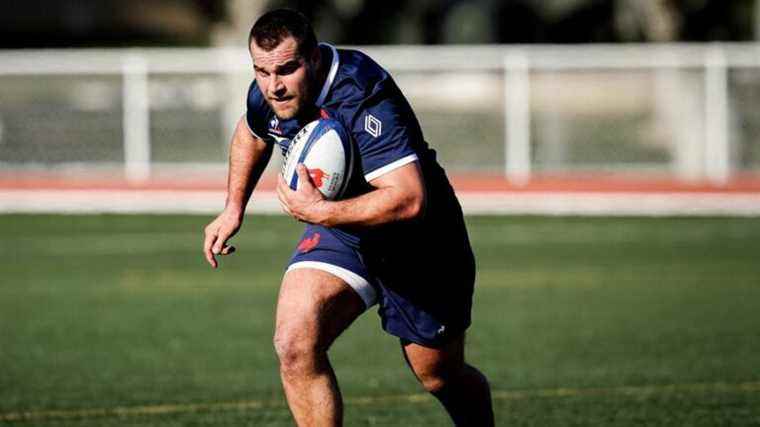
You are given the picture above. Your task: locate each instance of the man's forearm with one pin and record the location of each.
(248, 159)
(381, 206)
(399, 195)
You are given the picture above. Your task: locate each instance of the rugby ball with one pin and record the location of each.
(324, 147)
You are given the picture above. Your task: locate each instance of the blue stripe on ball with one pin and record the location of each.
(323, 126)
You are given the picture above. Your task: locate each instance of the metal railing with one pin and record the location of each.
(511, 90)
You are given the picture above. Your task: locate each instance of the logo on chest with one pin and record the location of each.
(274, 126)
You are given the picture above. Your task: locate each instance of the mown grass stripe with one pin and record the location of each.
(126, 411)
(164, 409)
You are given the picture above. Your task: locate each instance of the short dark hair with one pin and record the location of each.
(276, 25)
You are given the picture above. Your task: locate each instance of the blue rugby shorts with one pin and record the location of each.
(423, 287)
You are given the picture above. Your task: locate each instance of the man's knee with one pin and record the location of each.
(298, 354)
(436, 368)
(434, 383)
(462, 376)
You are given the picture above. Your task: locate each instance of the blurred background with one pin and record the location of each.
(118, 23)
(612, 146)
(511, 93)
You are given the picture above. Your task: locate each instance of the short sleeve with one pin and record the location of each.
(256, 113)
(383, 132)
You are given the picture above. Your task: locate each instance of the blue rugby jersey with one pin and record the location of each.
(363, 97)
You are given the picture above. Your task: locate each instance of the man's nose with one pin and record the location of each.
(277, 85)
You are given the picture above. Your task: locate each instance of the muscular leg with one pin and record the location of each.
(314, 307)
(461, 388)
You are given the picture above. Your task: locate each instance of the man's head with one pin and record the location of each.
(286, 61)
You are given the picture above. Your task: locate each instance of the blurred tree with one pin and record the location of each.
(519, 22)
(48, 23)
(235, 25)
(716, 20)
(363, 21)
(587, 22)
(203, 22)
(654, 20)
(468, 22)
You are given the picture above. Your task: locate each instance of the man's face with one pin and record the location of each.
(284, 77)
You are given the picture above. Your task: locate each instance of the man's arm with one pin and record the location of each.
(249, 156)
(399, 195)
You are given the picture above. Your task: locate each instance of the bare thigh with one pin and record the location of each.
(314, 307)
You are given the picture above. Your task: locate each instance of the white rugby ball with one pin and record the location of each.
(324, 147)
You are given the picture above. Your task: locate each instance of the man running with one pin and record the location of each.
(398, 237)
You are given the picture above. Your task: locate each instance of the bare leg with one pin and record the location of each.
(314, 307)
(461, 388)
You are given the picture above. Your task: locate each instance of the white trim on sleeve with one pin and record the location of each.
(357, 282)
(389, 167)
(330, 75)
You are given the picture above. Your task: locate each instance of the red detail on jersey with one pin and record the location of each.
(309, 243)
(316, 176)
(323, 114)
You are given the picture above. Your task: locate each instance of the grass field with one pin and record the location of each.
(117, 320)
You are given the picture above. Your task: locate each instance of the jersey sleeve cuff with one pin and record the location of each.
(390, 167)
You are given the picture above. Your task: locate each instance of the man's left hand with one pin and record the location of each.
(305, 204)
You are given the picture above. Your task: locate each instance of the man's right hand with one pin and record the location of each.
(217, 233)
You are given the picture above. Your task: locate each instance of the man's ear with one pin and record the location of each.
(316, 56)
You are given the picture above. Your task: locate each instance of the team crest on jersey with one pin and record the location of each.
(373, 125)
(274, 125)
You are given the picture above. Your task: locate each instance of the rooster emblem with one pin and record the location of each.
(309, 243)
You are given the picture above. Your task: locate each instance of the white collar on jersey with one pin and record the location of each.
(330, 75)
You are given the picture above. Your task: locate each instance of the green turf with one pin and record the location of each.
(576, 322)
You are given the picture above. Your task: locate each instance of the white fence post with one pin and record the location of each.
(717, 150)
(517, 120)
(136, 119)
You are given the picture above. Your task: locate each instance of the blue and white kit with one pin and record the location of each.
(420, 272)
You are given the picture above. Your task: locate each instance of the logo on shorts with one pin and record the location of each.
(309, 243)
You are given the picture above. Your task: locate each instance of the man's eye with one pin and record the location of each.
(262, 73)
(288, 69)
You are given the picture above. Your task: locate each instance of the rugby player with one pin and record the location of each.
(398, 238)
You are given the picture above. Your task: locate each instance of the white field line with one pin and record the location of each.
(482, 203)
(163, 409)
(612, 203)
